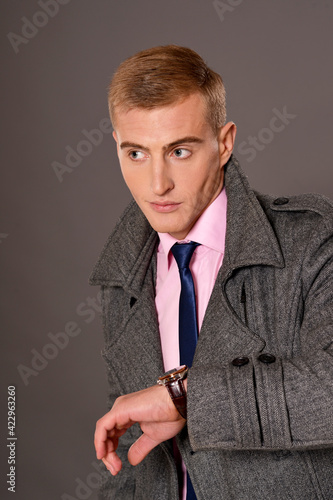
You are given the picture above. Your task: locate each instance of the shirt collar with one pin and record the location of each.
(209, 230)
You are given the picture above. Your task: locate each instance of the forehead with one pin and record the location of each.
(185, 117)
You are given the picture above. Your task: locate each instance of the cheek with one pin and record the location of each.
(207, 185)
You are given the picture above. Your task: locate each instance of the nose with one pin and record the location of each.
(161, 179)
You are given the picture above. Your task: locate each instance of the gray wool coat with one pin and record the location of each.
(262, 429)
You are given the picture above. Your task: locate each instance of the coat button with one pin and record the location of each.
(267, 358)
(240, 361)
(281, 201)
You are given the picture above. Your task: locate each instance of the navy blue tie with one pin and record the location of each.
(188, 327)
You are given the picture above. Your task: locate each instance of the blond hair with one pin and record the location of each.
(163, 75)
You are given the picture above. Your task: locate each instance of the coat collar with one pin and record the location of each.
(127, 253)
(250, 238)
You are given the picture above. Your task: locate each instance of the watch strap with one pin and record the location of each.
(177, 393)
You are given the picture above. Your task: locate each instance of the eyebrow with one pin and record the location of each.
(187, 139)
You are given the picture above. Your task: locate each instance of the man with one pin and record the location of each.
(255, 416)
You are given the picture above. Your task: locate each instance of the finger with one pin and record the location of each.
(105, 443)
(140, 449)
(100, 440)
(110, 444)
(100, 445)
(100, 449)
(111, 459)
(113, 463)
(108, 426)
(104, 427)
(119, 431)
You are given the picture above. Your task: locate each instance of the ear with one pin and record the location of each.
(114, 134)
(226, 139)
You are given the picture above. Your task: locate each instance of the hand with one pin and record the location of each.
(158, 417)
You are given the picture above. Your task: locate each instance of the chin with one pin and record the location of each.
(161, 224)
(164, 228)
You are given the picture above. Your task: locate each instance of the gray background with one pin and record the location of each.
(271, 55)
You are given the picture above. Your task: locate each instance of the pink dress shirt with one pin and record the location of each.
(209, 231)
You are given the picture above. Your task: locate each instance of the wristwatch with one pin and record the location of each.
(174, 383)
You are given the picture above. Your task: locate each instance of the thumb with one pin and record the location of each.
(140, 449)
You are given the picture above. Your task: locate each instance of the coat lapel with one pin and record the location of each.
(250, 241)
(128, 260)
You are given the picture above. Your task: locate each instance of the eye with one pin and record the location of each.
(136, 155)
(181, 153)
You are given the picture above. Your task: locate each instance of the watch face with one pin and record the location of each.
(180, 373)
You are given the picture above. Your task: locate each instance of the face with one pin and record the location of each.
(172, 161)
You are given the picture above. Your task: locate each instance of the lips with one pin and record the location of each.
(165, 206)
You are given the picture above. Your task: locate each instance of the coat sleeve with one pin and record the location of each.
(288, 402)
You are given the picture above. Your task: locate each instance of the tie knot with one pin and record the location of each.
(183, 252)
